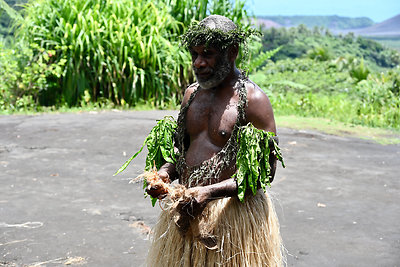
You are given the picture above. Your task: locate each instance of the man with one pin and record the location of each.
(214, 228)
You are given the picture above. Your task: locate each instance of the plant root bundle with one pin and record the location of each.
(166, 190)
(172, 197)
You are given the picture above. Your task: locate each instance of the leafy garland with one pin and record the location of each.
(198, 34)
(252, 162)
(160, 145)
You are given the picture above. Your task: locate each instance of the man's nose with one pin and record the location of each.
(199, 62)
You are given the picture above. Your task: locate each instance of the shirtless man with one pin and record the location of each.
(210, 111)
(212, 115)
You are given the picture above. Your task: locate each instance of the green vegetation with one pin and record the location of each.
(341, 78)
(332, 22)
(8, 13)
(124, 52)
(92, 54)
(340, 90)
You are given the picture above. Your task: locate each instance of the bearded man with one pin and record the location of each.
(215, 228)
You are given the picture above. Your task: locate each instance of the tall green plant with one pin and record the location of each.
(186, 11)
(126, 51)
(121, 50)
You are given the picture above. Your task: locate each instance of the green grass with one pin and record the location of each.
(379, 135)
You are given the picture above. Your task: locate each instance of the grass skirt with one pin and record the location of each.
(246, 235)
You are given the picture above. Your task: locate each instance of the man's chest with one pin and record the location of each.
(212, 117)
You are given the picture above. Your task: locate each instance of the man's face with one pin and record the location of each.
(210, 65)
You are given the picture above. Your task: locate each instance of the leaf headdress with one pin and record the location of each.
(200, 34)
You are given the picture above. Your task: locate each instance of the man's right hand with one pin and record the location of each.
(158, 191)
(164, 176)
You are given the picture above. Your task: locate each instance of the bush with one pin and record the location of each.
(320, 54)
(25, 75)
(359, 71)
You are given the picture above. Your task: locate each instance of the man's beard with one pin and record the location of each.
(217, 74)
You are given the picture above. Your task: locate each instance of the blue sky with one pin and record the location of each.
(377, 10)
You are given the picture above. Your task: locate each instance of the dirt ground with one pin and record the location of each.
(337, 199)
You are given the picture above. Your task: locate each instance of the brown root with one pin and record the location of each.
(172, 197)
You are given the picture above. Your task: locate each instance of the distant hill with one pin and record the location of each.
(267, 23)
(390, 27)
(331, 22)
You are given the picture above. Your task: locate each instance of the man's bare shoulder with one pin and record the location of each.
(255, 95)
(259, 110)
(188, 92)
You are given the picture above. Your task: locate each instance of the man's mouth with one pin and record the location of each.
(203, 74)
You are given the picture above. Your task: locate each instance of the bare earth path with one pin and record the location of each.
(337, 200)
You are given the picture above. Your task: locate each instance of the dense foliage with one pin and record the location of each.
(342, 89)
(118, 51)
(345, 78)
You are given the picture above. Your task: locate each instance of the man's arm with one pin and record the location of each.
(168, 172)
(226, 188)
(259, 112)
(204, 194)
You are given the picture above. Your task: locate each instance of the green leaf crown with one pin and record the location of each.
(198, 34)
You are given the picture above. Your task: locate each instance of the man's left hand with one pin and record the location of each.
(199, 197)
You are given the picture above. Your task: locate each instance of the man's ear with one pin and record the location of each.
(233, 52)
